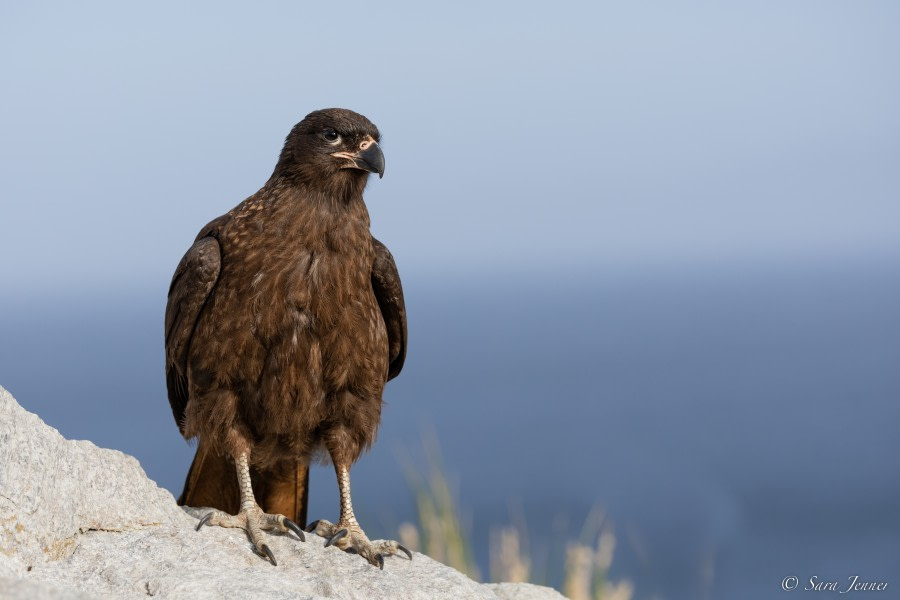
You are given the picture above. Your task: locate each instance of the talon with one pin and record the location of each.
(380, 561)
(204, 521)
(403, 548)
(295, 528)
(337, 536)
(312, 527)
(265, 550)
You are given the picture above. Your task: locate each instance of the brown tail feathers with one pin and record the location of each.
(212, 481)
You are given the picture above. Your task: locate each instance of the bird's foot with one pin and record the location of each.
(351, 538)
(254, 521)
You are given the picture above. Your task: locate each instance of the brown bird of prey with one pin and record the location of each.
(285, 319)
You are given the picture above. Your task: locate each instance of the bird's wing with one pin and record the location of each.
(192, 283)
(389, 293)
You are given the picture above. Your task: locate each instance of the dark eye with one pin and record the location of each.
(331, 135)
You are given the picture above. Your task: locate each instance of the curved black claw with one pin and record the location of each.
(204, 521)
(312, 527)
(340, 534)
(403, 548)
(295, 528)
(380, 562)
(265, 549)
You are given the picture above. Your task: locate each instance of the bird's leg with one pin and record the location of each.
(347, 534)
(251, 517)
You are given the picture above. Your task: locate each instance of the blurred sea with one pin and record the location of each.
(737, 423)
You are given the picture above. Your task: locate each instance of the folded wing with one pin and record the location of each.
(389, 293)
(192, 283)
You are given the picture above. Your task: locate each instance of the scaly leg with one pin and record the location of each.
(347, 534)
(251, 517)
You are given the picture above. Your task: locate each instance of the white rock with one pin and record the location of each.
(524, 591)
(79, 522)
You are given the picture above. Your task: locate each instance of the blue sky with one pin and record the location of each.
(518, 136)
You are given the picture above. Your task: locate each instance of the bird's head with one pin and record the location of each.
(332, 147)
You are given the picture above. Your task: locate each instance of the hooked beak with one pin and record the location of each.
(369, 158)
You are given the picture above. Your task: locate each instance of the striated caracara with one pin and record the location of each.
(284, 321)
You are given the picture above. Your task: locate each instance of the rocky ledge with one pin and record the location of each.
(78, 521)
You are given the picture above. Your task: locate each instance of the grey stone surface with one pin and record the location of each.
(29, 589)
(524, 591)
(77, 521)
(52, 489)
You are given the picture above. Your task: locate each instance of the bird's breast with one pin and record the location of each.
(300, 285)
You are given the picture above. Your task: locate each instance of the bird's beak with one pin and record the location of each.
(369, 157)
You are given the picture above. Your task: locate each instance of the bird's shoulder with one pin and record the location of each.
(214, 228)
(219, 227)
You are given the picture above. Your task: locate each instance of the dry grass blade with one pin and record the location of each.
(441, 534)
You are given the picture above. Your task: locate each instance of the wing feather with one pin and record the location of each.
(191, 286)
(389, 293)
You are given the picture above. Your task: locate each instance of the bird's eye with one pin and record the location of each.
(331, 135)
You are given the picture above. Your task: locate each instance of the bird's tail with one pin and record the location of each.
(212, 481)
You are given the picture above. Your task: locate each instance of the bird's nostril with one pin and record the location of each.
(365, 144)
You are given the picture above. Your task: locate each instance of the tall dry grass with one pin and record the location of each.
(441, 534)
